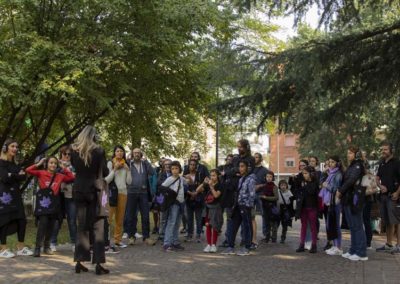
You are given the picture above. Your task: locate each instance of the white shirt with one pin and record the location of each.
(286, 195)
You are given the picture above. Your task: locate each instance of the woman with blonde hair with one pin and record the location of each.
(88, 159)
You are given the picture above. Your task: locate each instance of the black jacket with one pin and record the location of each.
(86, 175)
(295, 183)
(353, 173)
(12, 208)
(202, 172)
(307, 196)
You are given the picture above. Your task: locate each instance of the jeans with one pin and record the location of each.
(229, 227)
(174, 214)
(163, 223)
(134, 202)
(194, 212)
(308, 216)
(259, 207)
(241, 217)
(70, 211)
(357, 233)
(367, 221)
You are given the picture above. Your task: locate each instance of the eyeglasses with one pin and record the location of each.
(67, 154)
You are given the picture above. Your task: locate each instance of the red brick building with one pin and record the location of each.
(284, 158)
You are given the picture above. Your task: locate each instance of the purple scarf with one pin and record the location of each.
(324, 193)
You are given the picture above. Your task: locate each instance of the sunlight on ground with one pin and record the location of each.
(288, 257)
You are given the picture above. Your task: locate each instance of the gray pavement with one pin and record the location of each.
(271, 263)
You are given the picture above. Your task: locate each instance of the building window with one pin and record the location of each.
(289, 162)
(290, 141)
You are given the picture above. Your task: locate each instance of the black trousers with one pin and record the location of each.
(88, 224)
(44, 230)
(20, 226)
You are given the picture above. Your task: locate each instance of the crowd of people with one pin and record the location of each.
(101, 200)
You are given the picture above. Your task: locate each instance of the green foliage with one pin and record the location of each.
(135, 68)
(334, 87)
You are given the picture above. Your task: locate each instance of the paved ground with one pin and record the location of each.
(271, 263)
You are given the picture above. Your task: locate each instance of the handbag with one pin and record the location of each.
(8, 198)
(169, 195)
(46, 202)
(209, 199)
(113, 192)
(102, 208)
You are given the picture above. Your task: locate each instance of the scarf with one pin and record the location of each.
(324, 193)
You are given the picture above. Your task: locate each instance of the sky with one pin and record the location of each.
(286, 23)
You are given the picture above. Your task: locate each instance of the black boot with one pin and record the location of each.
(37, 252)
(313, 249)
(101, 270)
(300, 249)
(79, 267)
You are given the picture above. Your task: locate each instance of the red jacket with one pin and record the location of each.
(44, 178)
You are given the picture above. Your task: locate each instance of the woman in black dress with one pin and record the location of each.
(88, 159)
(12, 213)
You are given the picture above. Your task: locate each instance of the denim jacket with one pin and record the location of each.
(247, 190)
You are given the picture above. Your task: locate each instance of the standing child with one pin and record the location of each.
(285, 204)
(213, 213)
(269, 197)
(307, 208)
(48, 199)
(176, 183)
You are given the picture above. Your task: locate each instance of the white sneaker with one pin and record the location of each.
(307, 245)
(53, 247)
(138, 236)
(329, 250)
(355, 257)
(125, 236)
(207, 249)
(346, 255)
(24, 252)
(7, 254)
(334, 251)
(213, 249)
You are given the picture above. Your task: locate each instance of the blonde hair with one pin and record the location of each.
(85, 144)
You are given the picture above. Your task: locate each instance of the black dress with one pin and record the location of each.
(12, 212)
(90, 227)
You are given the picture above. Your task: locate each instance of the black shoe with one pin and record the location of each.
(36, 253)
(155, 231)
(100, 270)
(328, 246)
(224, 245)
(282, 241)
(313, 249)
(300, 249)
(79, 267)
(183, 231)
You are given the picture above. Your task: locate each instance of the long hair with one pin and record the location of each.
(123, 150)
(85, 144)
(3, 154)
(246, 144)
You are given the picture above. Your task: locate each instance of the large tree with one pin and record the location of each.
(334, 86)
(136, 68)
